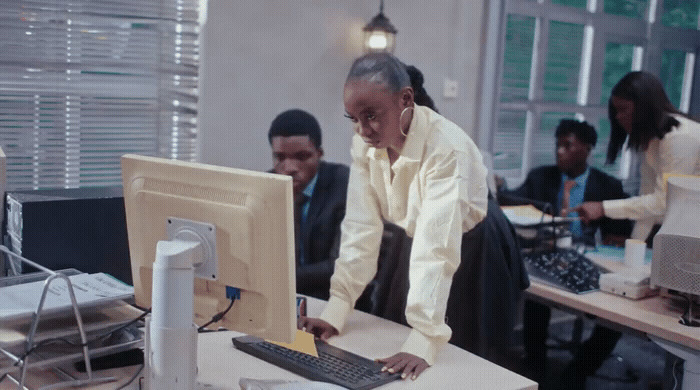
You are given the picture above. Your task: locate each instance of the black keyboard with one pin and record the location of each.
(564, 268)
(332, 365)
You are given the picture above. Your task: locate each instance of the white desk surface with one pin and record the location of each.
(654, 315)
(221, 365)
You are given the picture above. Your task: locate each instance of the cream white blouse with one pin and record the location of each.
(437, 193)
(678, 152)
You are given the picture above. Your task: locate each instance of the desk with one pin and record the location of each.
(221, 365)
(655, 317)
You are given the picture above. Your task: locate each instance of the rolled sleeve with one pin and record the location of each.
(677, 154)
(420, 345)
(336, 312)
(619, 208)
(361, 232)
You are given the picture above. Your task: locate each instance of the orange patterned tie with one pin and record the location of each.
(568, 185)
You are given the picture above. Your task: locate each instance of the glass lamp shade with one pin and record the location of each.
(380, 34)
(379, 41)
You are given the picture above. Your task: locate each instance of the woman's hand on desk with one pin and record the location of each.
(317, 327)
(406, 363)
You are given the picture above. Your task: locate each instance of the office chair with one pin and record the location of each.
(389, 256)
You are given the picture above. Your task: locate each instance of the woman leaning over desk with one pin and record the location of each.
(641, 113)
(416, 169)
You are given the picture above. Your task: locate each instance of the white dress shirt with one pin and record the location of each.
(438, 192)
(678, 152)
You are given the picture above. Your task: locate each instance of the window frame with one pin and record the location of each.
(93, 80)
(653, 38)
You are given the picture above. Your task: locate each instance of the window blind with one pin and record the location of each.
(83, 82)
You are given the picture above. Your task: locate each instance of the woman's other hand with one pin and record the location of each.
(405, 363)
(317, 327)
(589, 211)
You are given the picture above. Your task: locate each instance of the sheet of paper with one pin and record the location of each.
(21, 300)
(303, 342)
(529, 215)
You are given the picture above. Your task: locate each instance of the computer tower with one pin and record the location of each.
(81, 228)
(675, 263)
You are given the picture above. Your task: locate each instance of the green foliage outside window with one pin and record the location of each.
(630, 8)
(680, 13)
(672, 70)
(571, 3)
(517, 61)
(563, 62)
(617, 62)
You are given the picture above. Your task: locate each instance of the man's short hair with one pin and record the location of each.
(582, 130)
(295, 122)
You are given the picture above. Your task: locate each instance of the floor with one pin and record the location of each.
(635, 364)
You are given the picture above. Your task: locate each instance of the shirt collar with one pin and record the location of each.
(309, 190)
(580, 179)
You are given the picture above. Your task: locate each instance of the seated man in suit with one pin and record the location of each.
(320, 190)
(550, 184)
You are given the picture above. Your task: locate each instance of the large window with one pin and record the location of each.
(560, 59)
(84, 81)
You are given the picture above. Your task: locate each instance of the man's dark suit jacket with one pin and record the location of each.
(542, 184)
(321, 231)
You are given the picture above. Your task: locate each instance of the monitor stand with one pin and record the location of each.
(171, 341)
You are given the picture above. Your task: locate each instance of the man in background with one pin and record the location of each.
(565, 185)
(547, 184)
(320, 191)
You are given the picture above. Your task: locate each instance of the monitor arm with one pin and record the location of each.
(172, 335)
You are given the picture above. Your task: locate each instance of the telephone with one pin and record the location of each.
(631, 283)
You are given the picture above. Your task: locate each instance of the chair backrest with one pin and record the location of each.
(393, 240)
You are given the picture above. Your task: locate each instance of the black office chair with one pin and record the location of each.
(393, 239)
(389, 253)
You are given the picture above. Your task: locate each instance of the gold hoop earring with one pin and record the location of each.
(405, 134)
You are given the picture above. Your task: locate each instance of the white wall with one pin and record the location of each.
(260, 58)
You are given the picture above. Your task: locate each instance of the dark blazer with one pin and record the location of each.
(483, 304)
(321, 231)
(542, 184)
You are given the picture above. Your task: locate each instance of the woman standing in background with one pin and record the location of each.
(641, 114)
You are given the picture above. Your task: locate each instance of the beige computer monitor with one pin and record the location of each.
(254, 227)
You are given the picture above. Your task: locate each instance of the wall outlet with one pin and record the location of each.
(450, 88)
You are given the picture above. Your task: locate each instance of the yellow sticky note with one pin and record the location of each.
(303, 342)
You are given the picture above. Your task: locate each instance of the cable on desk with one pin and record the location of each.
(133, 377)
(217, 317)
